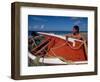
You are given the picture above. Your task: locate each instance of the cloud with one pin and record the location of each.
(77, 22)
(39, 19)
(33, 27)
(36, 27)
(42, 27)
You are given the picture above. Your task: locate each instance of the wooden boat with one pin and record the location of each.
(56, 46)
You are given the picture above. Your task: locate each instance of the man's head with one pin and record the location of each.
(75, 29)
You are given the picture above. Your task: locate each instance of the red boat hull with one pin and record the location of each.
(58, 47)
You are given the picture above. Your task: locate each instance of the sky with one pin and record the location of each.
(56, 23)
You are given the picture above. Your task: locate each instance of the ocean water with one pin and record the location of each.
(54, 32)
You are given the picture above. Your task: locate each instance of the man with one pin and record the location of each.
(75, 33)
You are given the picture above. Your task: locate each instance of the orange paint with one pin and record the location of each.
(61, 48)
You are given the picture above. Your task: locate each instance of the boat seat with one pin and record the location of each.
(38, 49)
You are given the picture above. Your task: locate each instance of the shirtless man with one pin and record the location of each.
(75, 33)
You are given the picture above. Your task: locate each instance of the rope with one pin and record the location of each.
(75, 48)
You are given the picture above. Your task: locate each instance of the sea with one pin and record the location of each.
(53, 32)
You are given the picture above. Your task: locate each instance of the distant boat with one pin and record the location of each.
(55, 49)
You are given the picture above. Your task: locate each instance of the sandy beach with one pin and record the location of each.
(84, 35)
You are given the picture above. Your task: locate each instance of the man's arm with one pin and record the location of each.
(67, 36)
